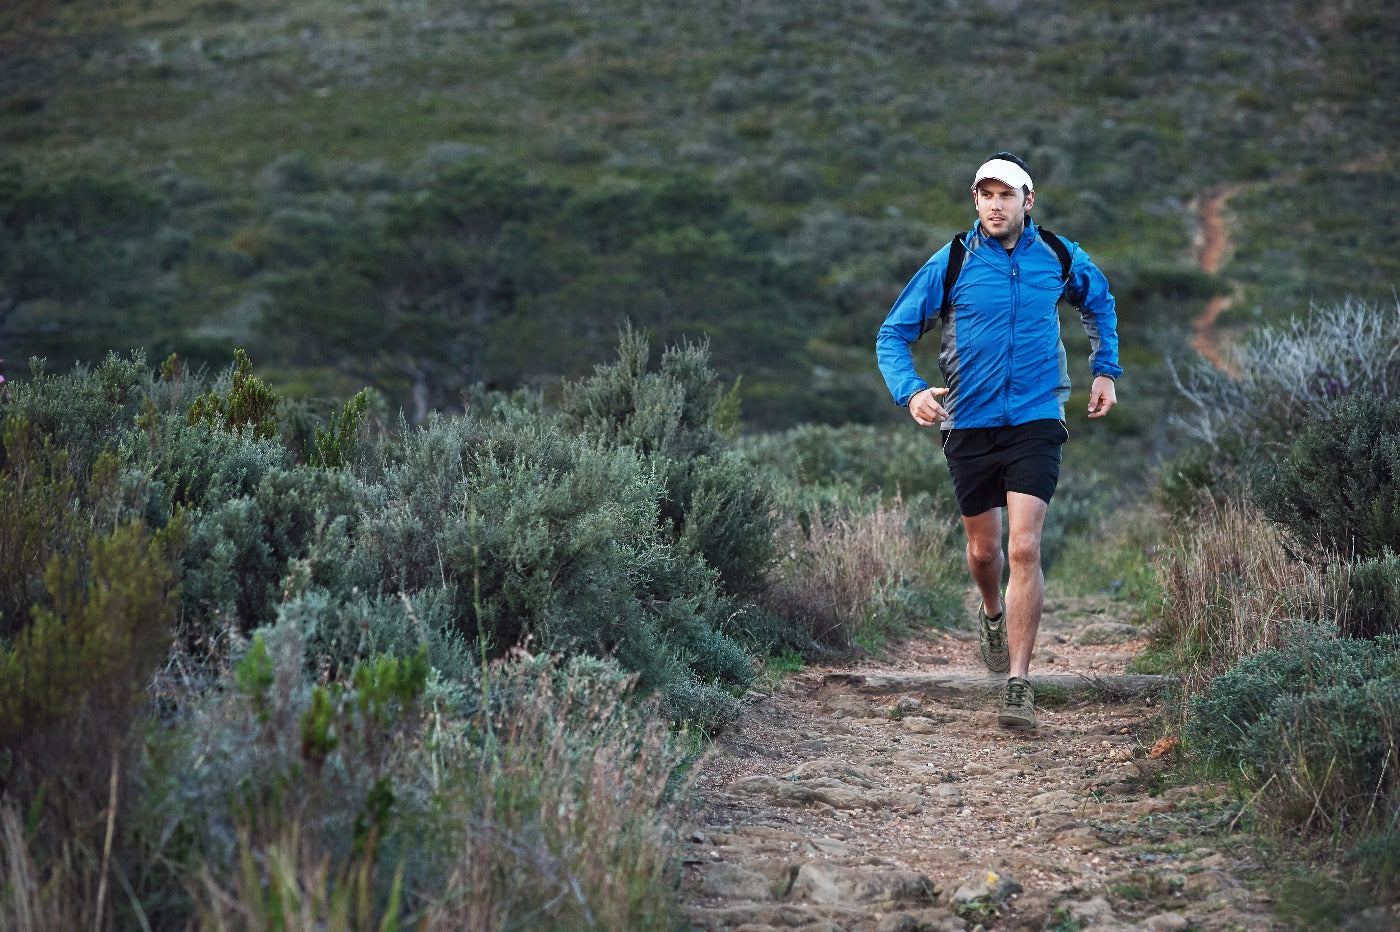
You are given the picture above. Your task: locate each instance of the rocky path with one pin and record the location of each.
(885, 797)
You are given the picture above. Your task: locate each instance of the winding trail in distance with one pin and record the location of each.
(1215, 241)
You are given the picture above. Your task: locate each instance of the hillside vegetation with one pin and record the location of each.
(443, 414)
(305, 179)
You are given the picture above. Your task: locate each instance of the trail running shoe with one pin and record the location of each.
(992, 640)
(1017, 705)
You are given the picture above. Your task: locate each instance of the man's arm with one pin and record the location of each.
(1088, 289)
(905, 324)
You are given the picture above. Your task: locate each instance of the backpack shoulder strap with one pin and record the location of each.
(1061, 251)
(957, 252)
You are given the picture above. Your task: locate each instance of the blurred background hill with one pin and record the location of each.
(424, 196)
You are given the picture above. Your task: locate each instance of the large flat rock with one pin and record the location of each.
(1105, 686)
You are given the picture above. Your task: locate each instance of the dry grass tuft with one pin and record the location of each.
(1231, 589)
(552, 810)
(861, 570)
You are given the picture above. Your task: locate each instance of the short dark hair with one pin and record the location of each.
(1011, 157)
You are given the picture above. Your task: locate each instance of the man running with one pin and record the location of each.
(993, 292)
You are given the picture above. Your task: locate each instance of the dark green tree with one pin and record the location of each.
(85, 263)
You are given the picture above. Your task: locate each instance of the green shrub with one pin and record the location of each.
(858, 569)
(676, 419)
(1373, 600)
(1318, 720)
(84, 411)
(243, 548)
(74, 679)
(199, 467)
(271, 750)
(37, 517)
(559, 785)
(247, 404)
(544, 541)
(340, 634)
(1079, 503)
(1339, 484)
(1376, 858)
(1118, 555)
(335, 444)
(870, 459)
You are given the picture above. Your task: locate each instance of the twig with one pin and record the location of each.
(107, 844)
(1231, 826)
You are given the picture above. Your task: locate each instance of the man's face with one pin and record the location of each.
(1002, 209)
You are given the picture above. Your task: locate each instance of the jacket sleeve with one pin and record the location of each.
(905, 324)
(1088, 290)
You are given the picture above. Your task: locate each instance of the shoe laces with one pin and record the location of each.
(1017, 692)
(996, 633)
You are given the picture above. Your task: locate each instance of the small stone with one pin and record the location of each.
(1080, 836)
(947, 792)
(850, 707)
(1106, 632)
(983, 889)
(1095, 912)
(1151, 805)
(976, 769)
(823, 883)
(919, 725)
(1215, 861)
(1374, 919)
(732, 882)
(1165, 922)
(1054, 799)
(906, 705)
(1199, 886)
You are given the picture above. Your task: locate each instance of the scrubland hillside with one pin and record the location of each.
(446, 414)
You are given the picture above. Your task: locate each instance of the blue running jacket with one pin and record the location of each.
(1000, 352)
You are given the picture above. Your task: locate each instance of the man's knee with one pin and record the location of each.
(1024, 550)
(983, 552)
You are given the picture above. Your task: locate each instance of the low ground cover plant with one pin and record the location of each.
(262, 666)
(1279, 592)
(326, 615)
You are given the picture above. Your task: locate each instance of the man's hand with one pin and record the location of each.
(925, 408)
(1102, 396)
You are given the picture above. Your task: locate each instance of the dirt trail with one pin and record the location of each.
(885, 797)
(1215, 243)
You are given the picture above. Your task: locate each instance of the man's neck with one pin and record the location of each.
(1008, 241)
(1011, 239)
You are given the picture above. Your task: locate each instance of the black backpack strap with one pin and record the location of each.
(957, 252)
(1061, 251)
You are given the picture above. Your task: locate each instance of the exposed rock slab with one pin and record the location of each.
(947, 686)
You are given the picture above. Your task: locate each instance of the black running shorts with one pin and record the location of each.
(988, 462)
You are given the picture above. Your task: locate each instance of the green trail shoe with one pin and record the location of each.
(991, 637)
(1017, 705)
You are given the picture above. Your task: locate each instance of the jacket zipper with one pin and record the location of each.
(1011, 333)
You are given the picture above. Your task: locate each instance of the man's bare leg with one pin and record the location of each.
(1025, 592)
(985, 558)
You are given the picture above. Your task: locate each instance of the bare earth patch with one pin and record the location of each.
(884, 796)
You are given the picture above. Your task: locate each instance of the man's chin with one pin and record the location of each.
(1005, 234)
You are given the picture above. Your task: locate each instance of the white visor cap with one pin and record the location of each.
(1006, 172)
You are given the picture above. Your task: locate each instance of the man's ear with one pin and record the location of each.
(1030, 200)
